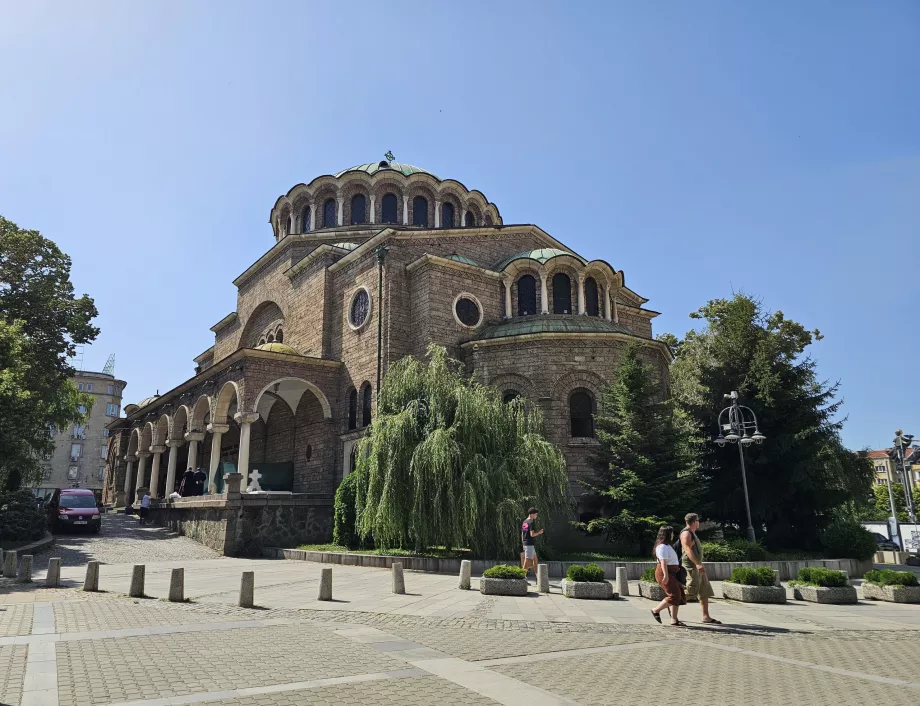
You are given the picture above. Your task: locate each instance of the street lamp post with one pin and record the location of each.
(903, 441)
(738, 421)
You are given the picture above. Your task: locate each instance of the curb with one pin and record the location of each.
(34, 547)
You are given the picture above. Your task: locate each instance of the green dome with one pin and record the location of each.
(275, 347)
(528, 325)
(541, 256)
(144, 402)
(374, 167)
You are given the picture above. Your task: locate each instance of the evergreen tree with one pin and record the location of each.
(647, 468)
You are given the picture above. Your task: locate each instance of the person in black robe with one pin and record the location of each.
(187, 486)
(201, 479)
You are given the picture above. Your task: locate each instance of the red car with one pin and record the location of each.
(73, 507)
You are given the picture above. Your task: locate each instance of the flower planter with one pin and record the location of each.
(892, 594)
(753, 594)
(597, 590)
(503, 587)
(651, 591)
(819, 594)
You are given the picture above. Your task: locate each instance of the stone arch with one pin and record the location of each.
(381, 189)
(290, 390)
(180, 423)
(134, 442)
(229, 393)
(514, 381)
(355, 186)
(146, 440)
(264, 318)
(473, 208)
(366, 404)
(161, 430)
(429, 194)
(201, 413)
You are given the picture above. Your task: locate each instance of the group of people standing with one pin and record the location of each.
(192, 484)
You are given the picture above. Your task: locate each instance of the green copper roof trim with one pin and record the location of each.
(541, 256)
(374, 167)
(345, 246)
(529, 325)
(465, 260)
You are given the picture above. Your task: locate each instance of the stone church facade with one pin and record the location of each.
(367, 266)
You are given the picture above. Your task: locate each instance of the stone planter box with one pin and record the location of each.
(892, 594)
(503, 587)
(819, 594)
(651, 591)
(598, 590)
(753, 594)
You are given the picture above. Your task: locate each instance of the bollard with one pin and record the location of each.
(247, 588)
(91, 583)
(542, 578)
(9, 565)
(177, 586)
(53, 577)
(25, 569)
(325, 585)
(137, 582)
(466, 568)
(399, 583)
(622, 583)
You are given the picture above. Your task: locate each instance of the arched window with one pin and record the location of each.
(290, 225)
(581, 413)
(420, 211)
(262, 341)
(488, 220)
(470, 219)
(305, 220)
(366, 406)
(358, 209)
(353, 409)
(447, 215)
(330, 215)
(509, 396)
(270, 339)
(527, 295)
(562, 293)
(388, 209)
(591, 306)
(353, 459)
(279, 337)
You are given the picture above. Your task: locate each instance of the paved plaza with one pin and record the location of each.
(434, 645)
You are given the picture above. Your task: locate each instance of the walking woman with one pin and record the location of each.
(666, 575)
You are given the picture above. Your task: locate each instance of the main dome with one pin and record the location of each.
(374, 167)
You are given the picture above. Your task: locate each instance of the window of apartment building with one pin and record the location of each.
(76, 450)
(101, 472)
(46, 474)
(72, 472)
(111, 389)
(78, 431)
(81, 409)
(89, 387)
(111, 410)
(80, 386)
(103, 452)
(105, 433)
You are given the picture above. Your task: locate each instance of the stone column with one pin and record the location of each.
(193, 437)
(340, 210)
(245, 420)
(544, 297)
(437, 214)
(155, 471)
(581, 294)
(313, 217)
(372, 216)
(141, 468)
(607, 302)
(405, 210)
(462, 223)
(616, 311)
(507, 283)
(217, 431)
(128, 478)
(173, 445)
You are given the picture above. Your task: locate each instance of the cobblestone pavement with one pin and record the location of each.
(12, 671)
(15, 620)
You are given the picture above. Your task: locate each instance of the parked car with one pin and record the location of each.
(75, 508)
(884, 543)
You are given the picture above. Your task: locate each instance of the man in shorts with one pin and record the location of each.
(529, 557)
(698, 586)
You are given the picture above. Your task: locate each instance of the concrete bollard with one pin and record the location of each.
(622, 586)
(91, 583)
(542, 578)
(399, 583)
(53, 578)
(466, 569)
(25, 569)
(247, 588)
(137, 581)
(9, 565)
(177, 586)
(325, 585)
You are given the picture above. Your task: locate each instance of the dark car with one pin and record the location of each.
(75, 508)
(884, 543)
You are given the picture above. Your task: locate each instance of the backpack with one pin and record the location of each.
(678, 547)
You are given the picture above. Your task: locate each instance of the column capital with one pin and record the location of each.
(142, 454)
(218, 428)
(175, 443)
(157, 449)
(194, 436)
(246, 417)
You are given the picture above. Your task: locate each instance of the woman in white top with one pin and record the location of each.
(666, 576)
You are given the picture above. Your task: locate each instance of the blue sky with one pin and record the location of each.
(700, 147)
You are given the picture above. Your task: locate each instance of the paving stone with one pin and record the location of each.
(15, 620)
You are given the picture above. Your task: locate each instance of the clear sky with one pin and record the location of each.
(701, 147)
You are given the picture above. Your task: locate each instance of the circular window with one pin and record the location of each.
(467, 310)
(360, 308)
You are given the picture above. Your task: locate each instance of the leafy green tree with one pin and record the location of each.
(802, 474)
(41, 322)
(647, 468)
(447, 463)
(882, 503)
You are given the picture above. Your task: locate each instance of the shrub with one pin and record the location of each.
(720, 551)
(762, 576)
(343, 531)
(889, 577)
(847, 539)
(751, 551)
(591, 572)
(21, 519)
(649, 575)
(819, 576)
(503, 571)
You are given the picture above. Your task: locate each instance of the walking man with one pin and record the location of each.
(187, 486)
(527, 536)
(692, 560)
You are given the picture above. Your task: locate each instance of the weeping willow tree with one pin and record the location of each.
(447, 463)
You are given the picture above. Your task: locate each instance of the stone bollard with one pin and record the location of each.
(466, 569)
(91, 583)
(177, 586)
(9, 565)
(247, 588)
(325, 585)
(399, 583)
(53, 578)
(137, 581)
(542, 578)
(25, 569)
(622, 583)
